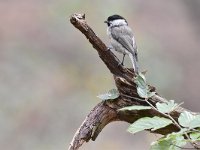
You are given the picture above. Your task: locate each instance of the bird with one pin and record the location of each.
(122, 39)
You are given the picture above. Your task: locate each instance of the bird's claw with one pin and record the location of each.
(120, 64)
(108, 49)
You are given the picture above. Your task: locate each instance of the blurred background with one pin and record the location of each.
(50, 75)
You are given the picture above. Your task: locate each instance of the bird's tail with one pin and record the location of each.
(134, 62)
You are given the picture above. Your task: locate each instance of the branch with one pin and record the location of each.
(107, 111)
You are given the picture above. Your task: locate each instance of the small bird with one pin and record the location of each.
(122, 39)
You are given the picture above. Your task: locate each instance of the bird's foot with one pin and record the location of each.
(121, 64)
(109, 48)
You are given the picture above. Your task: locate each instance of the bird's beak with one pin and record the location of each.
(106, 21)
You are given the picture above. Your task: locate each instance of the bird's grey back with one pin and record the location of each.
(124, 35)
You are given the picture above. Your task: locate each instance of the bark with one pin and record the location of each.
(107, 111)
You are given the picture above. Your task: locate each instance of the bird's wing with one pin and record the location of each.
(126, 39)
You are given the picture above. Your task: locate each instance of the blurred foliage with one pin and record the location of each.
(50, 74)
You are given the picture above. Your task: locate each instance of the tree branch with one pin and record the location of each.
(107, 111)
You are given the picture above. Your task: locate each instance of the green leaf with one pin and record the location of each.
(135, 108)
(111, 94)
(162, 145)
(187, 119)
(150, 94)
(140, 80)
(166, 107)
(171, 142)
(142, 87)
(142, 92)
(148, 123)
(195, 136)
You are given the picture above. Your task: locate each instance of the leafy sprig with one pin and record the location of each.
(188, 123)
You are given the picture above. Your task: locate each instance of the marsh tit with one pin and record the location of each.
(122, 39)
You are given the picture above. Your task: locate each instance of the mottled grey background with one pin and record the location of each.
(50, 74)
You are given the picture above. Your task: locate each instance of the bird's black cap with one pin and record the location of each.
(114, 17)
